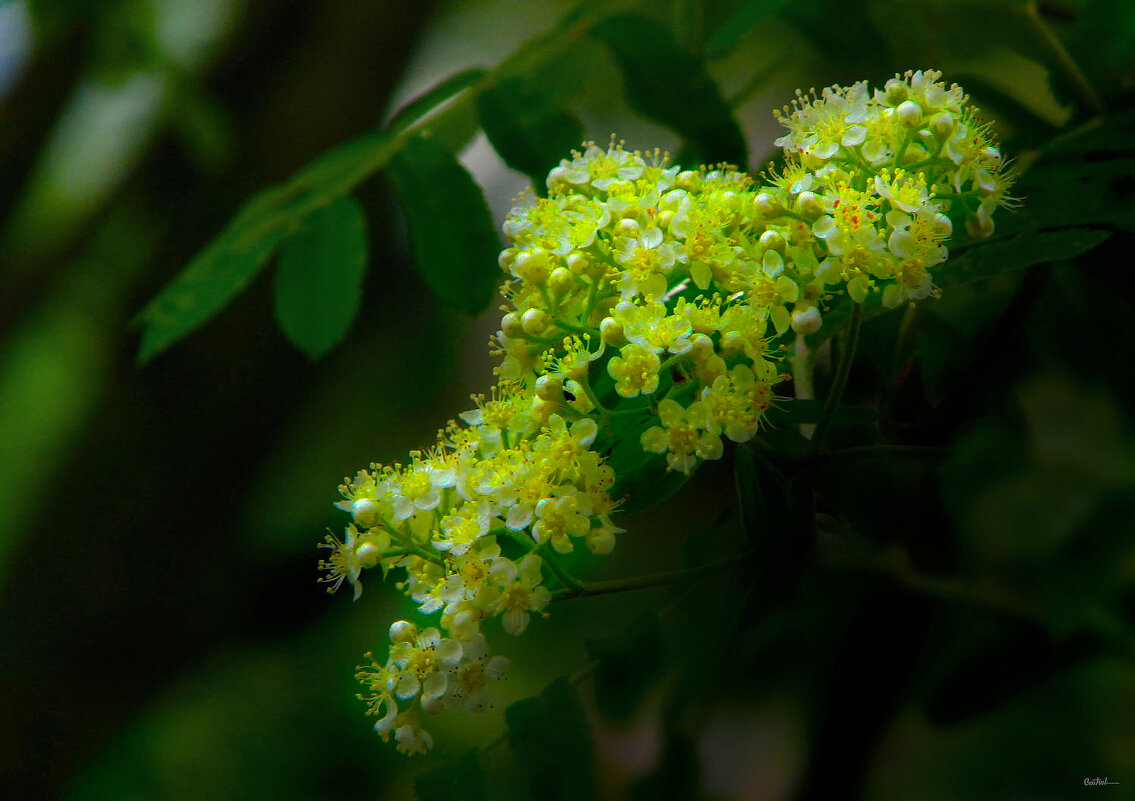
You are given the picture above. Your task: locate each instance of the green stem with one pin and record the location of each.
(568, 581)
(835, 395)
(574, 327)
(407, 541)
(803, 367)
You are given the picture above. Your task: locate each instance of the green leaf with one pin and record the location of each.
(985, 259)
(526, 128)
(319, 278)
(227, 264)
(451, 232)
(550, 738)
(211, 280)
(666, 84)
(461, 780)
(747, 16)
(629, 663)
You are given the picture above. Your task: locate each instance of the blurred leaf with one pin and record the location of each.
(319, 278)
(227, 264)
(748, 15)
(526, 128)
(460, 781)
(629, 663)
(550, 738)
(666, 84)
(451, 232)
(985, 259)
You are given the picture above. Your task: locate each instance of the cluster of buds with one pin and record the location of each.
(643, 297)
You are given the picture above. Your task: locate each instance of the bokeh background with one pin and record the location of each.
(162, 634)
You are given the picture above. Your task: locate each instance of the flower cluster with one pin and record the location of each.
(645, 301)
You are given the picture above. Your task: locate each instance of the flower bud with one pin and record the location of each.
(532, 266)
(534, 321)
(511, 326)
(806, 321)
(402, 631)
(909, 114)
(895, 91)
(810, 204)
(773, 239)
(365, 512)
(578, 263)
(942, 124)
(768, 206)
(627, 227)
(688, 179)
(611, 332)
(549, 388)
(368, 554)
(561, 280)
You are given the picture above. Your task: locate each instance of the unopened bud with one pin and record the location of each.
(561, 280)
(532, 266)
(768, 206)
(806, 321)
(611, 332)
(578, 263)
(511, 325)
(773, 239)
(365, 512)
(402, 631)
(627, 227)
(534, 321)
(909, 114)
(895, 91)
(810, 204)
(942, 124)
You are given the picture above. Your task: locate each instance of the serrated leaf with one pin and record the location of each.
(319, 278)
(227, 264)
(461, 780)
(629, 663)
(551, 740)
(747, 16)
(526, 128)
(666, 84)
(451, 231)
